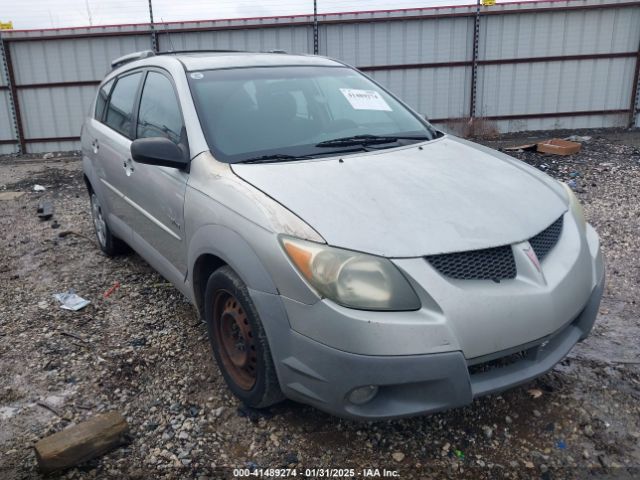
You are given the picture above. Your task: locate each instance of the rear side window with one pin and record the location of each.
(159, 114)
(120, 108)
(101, 100)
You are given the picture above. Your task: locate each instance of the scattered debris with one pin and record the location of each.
(535, 392)
(8, 412)
(557, 146)
(624, 361)
(111, 289)
(47, 156)
(66, 233)
(81, 442)
(10, 195)
(398, 456)
(138, 342)
(73, 335)
(71, 301)
(521, 148)
(52, 409)
(45, 210)
(38, 188)
(55, 224)
(578, 138)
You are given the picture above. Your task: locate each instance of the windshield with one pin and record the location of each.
(290, 112)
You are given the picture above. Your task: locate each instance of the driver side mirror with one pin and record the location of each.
(158, 151)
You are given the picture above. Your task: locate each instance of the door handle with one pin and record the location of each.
(95, 145)
(128, 167)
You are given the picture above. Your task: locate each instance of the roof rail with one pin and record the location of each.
(118, 62)
(172, 52)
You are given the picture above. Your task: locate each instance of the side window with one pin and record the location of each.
(159, 114)
(120, 109)
(101, 100)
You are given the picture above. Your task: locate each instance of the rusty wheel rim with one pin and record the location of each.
(236, 340)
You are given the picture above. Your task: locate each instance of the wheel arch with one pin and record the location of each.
(202, 269)
(214, 246)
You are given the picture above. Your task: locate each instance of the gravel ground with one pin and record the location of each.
(143, 352)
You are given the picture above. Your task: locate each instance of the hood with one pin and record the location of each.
(450, 195)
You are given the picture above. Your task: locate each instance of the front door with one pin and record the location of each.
(156, 194)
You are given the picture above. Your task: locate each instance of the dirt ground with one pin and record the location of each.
(143, 352)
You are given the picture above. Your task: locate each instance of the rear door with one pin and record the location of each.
(156, 193)
(111, 144)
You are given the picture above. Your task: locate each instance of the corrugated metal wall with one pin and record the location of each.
(437, 92)
(74, 66)
(290, 39)
(552, 64)
(584, 84)
(7, 131)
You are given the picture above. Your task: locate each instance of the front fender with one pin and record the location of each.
(234, 250)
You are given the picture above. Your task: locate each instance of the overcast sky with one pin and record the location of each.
(67, 13)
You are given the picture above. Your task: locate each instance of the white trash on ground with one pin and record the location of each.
(71, 301)
(578, 138)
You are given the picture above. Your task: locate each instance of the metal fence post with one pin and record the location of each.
(14, 106)
(634, 109)
(315, 27)
(154, 36)
(474, 67)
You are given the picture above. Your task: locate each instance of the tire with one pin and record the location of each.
(238, 340)
(108, 243)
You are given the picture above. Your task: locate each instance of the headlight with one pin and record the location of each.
(574, 206)
(351, 279)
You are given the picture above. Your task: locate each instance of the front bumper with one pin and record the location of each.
(470, 338)
(316, 374)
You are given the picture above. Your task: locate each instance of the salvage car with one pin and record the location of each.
(343, 252)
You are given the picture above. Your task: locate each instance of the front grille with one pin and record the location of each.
(543, 242)
(497, 363)
(487, 264)
(493, 263)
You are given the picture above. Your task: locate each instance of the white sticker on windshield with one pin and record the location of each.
(365, 99)
(197, 75)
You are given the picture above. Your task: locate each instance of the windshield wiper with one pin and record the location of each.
(369, 140)
(276, 157)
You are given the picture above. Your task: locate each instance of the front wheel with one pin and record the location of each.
(238, 340)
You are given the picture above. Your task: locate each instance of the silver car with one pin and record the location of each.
(343, 252)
